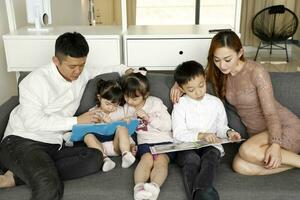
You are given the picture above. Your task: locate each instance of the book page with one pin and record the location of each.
(182, 146)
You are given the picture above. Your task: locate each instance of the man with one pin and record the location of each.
(49, 97)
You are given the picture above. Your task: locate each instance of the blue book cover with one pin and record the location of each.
(80, 130)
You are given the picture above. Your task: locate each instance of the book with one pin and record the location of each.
(80, 130)
(182, 146)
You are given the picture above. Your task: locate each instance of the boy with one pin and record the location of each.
(199, 116)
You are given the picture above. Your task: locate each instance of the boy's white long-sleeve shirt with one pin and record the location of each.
(189, 117)
(159, 127)
(48, 103)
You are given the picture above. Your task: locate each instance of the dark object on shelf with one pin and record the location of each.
(274, 25)
(219, 30)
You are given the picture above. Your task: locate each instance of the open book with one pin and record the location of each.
(80, 130)
(182, 146)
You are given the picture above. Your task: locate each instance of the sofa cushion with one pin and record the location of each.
(5, 110)
(160, 85)
(286, 88)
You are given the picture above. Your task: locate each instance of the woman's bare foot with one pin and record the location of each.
(7, 180)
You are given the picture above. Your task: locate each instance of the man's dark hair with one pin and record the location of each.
(187, 71)
(71, 44)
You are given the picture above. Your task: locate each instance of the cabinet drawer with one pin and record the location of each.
(26, 55)
(29, 54)
(104, 52)
(166, 52)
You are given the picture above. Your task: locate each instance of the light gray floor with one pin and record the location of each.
(276, 62)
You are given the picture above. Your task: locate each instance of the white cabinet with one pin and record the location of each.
(26, 51)
(165, 47)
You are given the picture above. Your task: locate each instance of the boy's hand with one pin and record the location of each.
(233, 135)
(175, 93)
(88, 118)
(209, 137)
(142, 114)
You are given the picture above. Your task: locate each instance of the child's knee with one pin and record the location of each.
(88, 137)
(147, 158)
(121, 130)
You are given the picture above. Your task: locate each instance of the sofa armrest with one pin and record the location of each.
(5, 110)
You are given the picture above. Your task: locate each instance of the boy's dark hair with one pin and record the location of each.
(109, 90)
(187, 71)
(135, 84)
(71, 44)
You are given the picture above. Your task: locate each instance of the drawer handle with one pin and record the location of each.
(180, 52)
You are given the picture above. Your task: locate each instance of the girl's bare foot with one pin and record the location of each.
(7, 180)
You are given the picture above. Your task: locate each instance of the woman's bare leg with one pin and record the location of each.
(249, 160)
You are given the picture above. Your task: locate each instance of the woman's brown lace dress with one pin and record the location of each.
(250, 91)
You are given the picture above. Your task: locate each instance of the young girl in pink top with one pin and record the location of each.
(109, 95)
(154, 128)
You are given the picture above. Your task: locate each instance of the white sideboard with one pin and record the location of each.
(26, 50)
(165, 47)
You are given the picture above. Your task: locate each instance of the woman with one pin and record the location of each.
(274, 142)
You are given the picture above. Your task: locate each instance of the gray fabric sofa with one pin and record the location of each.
(118, 184)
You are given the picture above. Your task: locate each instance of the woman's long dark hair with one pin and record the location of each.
(213, 74)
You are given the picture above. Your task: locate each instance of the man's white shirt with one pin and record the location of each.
(48, 103)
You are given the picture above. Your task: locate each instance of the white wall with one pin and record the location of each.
(64, 12)
(7, 80)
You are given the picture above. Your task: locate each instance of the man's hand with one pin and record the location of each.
(129, 71)
(88, 118)
(273, 157)
(233, 135)
(175, 93)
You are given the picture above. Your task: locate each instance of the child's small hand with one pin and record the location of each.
(106, 119)
(209, 137)
(133, 149)
(142, 114)
(127, 119)
(233, 135)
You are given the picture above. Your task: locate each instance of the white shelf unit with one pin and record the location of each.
(165, 47)
(26, 51)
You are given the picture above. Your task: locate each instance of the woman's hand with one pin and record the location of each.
(175, 93)
(273, 157)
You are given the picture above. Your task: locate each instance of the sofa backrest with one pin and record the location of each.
(286, 88)
(285, 85)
